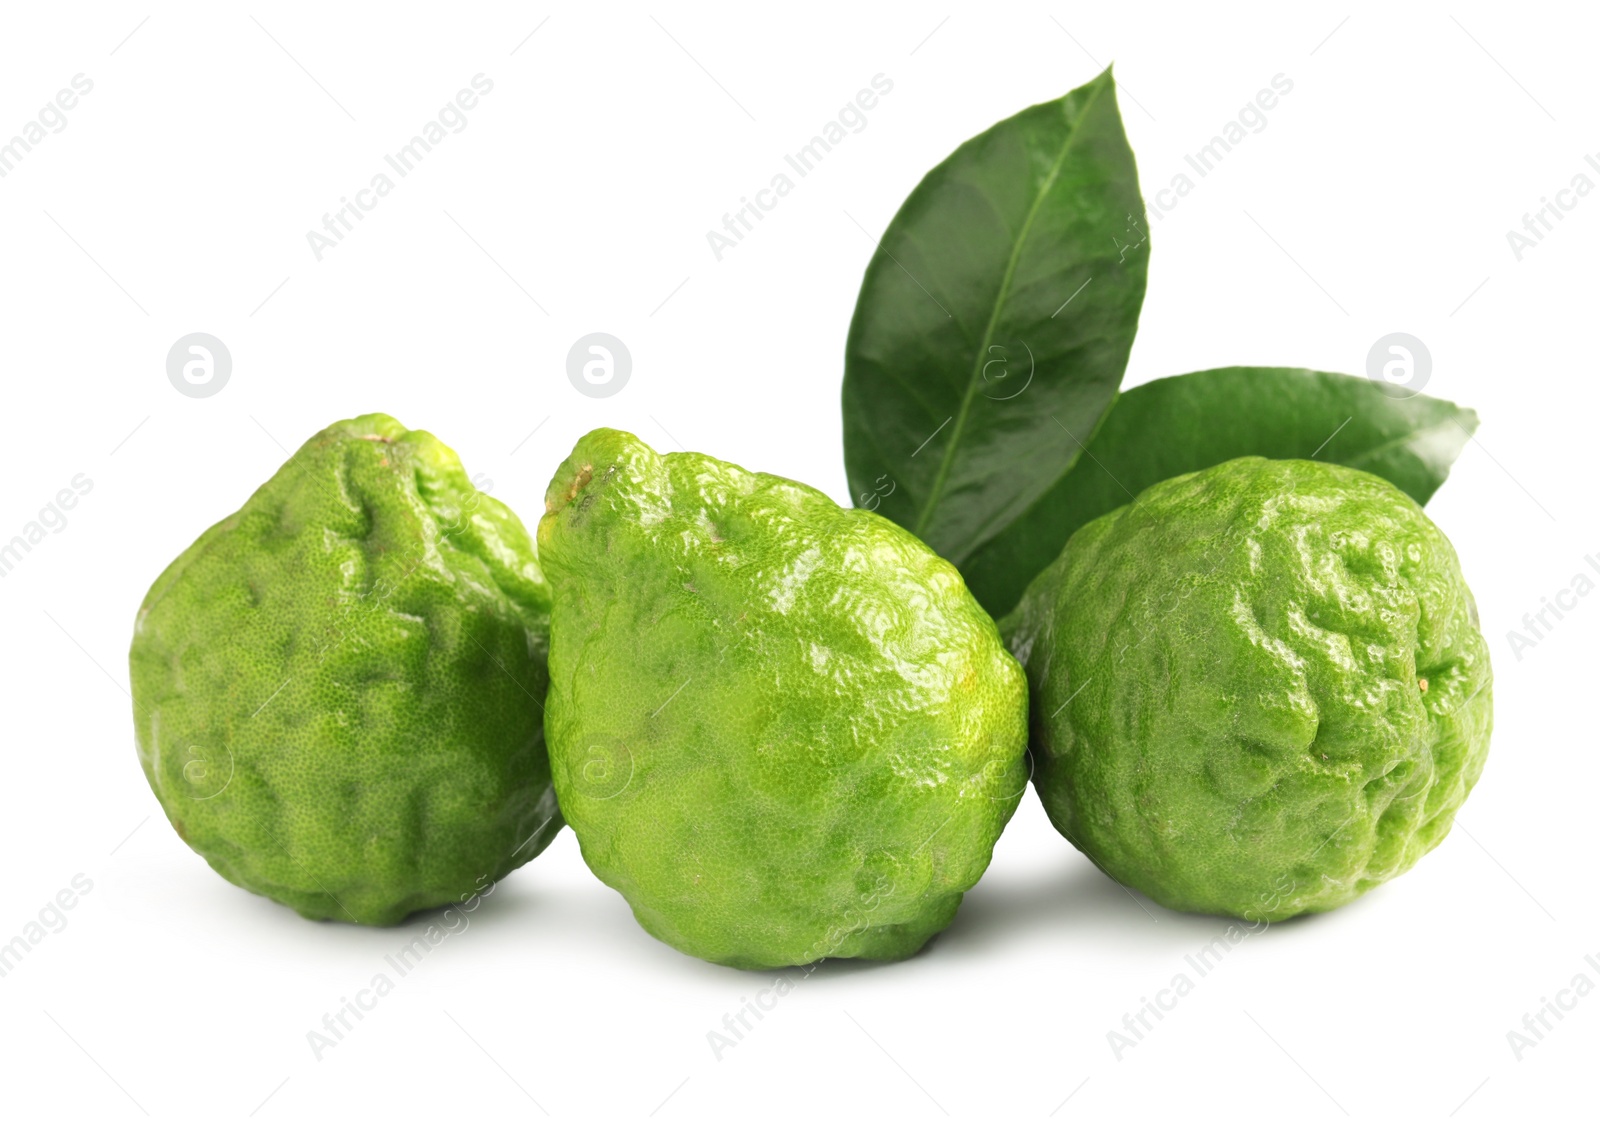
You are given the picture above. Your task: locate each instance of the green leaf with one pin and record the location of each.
(1185, 423)
(994, 322)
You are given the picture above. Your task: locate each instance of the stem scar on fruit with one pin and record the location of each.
(579, 482)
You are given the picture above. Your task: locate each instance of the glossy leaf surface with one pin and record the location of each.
(994, 323)
(1182, 424)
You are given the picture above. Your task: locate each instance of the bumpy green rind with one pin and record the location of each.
(1258, 689)
(783, 730)
(338, 689)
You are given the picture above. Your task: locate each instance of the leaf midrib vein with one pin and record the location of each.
(1001, 297)
(1364, 456)
(1417, 433)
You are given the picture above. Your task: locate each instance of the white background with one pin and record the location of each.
(177, 199)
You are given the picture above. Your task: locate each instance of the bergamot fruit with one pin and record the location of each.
(337, 689)
(783, 730)
(1258, 689)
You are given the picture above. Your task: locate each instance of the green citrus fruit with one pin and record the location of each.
(337, 688)
(783, 730)
(1258, 689)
